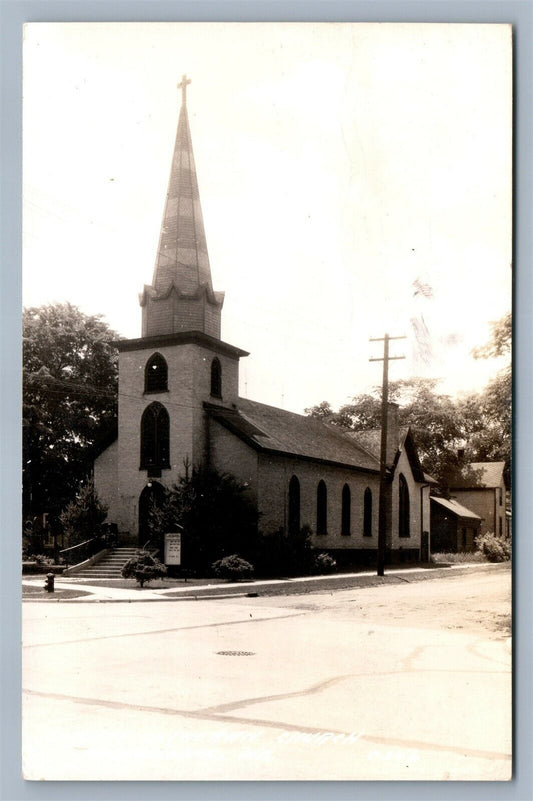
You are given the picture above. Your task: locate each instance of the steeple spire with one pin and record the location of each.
(181, 296)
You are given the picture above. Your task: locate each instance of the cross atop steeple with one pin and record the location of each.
(183, 86)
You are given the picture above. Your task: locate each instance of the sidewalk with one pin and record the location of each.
(292, 586)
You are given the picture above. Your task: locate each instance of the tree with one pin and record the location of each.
(70, 397)
(82, 518)
(493, 439)
(217, 514)
(440, 424)
(500, 342)
(432, 416)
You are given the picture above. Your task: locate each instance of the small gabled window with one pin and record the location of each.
(216, 378)
(156, 374)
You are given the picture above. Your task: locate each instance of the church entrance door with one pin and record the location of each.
(152, 495)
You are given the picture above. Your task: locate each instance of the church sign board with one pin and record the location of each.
(173, 548)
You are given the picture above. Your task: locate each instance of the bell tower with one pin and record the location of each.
(180, 363)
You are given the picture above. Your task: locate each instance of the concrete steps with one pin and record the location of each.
(110, 566)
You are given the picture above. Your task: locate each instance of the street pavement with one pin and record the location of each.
(409, 680)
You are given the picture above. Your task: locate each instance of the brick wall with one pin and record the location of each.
(275, 473)
(415, 506)
(106, 479)
(189, 384)
(228, 454)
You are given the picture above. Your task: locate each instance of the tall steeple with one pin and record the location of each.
(181, 297)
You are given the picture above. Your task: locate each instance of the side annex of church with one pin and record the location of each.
(179, 405)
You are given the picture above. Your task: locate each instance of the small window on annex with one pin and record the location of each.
(346, 510)
(156, 374)
(321, 508)
(367, 513)
(216, 378)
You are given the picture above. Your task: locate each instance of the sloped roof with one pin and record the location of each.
(267, 428)
(482, 474)
(371, 439)
(455, 508)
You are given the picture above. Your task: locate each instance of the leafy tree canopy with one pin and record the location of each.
(70, 398)
(480, 422)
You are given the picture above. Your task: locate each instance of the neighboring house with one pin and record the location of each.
(453, 526)
(482, 490)
(179, 405)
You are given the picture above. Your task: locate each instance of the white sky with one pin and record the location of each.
(336, 163)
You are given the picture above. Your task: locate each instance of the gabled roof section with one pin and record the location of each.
(371, 440)
(480, 475)
(266, 428)
(456, 508)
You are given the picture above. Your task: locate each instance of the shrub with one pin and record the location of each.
(233, 568)
(143, 567)
(41, 559)
(458, 558)
(281, 554)
(324, 563)
(494, 548)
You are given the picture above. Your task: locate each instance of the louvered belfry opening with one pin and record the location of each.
(156, 374)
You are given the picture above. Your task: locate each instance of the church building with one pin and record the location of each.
(179, 406)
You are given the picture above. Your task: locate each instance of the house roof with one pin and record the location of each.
(266, 428)
(480, 475)
(455, 508)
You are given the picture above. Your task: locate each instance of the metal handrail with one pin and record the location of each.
(83, 550)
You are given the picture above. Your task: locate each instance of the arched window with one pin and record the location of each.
(294, 505)
(404, 528)
(156, 374)
(321, 508)
(216, 378)
(155, 427)
(367, 513)
(346, 509)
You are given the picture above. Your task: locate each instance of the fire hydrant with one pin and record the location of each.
(49, 586)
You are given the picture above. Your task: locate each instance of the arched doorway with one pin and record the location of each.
(153, 493)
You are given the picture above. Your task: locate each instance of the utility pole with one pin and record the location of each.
(382, 519)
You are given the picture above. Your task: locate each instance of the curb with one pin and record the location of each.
(300, 587)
